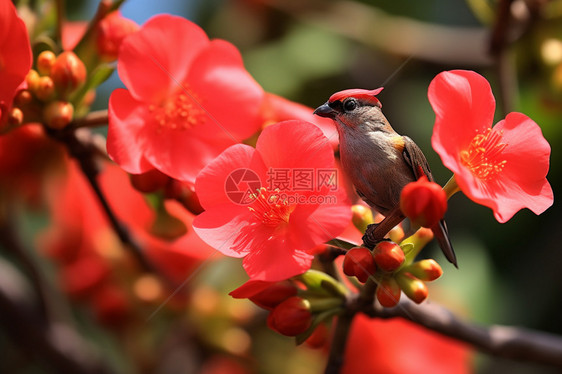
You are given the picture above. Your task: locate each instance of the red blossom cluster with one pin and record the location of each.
(201, 159)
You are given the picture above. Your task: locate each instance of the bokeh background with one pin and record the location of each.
(305, 50)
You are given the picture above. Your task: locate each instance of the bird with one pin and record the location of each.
(378, 161)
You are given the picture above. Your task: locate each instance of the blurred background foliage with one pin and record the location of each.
(305, 50)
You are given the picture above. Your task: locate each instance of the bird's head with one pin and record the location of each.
(354, 108)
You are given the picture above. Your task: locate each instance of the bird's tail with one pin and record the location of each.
(442, 235)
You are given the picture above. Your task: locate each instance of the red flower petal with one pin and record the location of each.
(213, 182)
(278, 109)
(522, 183)
(126, 120)
(464, 104)
(276, 262)
(303, 146)
(154, 60)
(380, 346)
(224, 88)
(15, 51)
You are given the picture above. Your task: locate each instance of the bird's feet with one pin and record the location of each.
(369, 239)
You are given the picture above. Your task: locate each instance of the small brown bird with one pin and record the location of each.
(378, 161)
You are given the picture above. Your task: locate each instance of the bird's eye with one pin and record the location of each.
(349, 105)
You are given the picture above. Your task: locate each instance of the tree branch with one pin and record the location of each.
(85, 153)
(56, 344)
(501, 341)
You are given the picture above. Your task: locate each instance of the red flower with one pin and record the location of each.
(397, 346)
(111, 32)
(188, 99)
(274, 230)
(15, 54)
(503, 167)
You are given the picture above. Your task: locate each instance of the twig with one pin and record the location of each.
(84, 153)
(92, 119)
(501, 341)
(499, 51)
(397, 35)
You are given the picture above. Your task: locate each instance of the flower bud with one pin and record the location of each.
(68, 73)
(45, 89)
(15, 117)
(45, 62)
(388, 256)
(362, 216)
(423, 202)
(32, 80)
(319, 337)
(150, 181)
(111, 306)
(185, 194)
(415, 289)
(359, 262)
(417, 241)
(292, 317)
(274, 294)
(58, 114)
(388, 292)
(112, 30)
(22, 98)
(425, 270)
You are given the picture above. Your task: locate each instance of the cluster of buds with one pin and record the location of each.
(50, 87)
(391, 266)
(297, 307)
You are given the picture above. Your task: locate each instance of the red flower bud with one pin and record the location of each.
(415, 289)
(68, 73)
(388, 292)
(274, 294)
(58, 114)
(22, 98)
(111, 306)
(423, 202)
(112, 29)
(425, 270)
(388, 256)
(292, 317)
(45, 62)
(81, 277)
(362, 216)
(44, 88)
(359, 262)
(148, 182)
(15, 117)
(185, 194)
(319, 337)
(32, 80)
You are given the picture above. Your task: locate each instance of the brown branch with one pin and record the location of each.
(92, 119)
(396, 35)
(85, 153)
(500, 39)
(501, 341)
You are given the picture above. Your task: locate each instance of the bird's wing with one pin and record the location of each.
(415, 158)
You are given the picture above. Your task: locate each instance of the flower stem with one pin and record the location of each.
(451, 187)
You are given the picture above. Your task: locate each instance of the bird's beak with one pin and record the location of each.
(324, 110)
